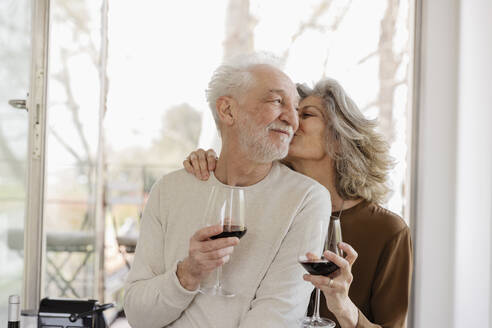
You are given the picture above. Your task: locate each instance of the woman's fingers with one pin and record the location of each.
(351, 253)
(311, 256)
(338, 260)
(321, 282)
(202, 163)
(211, 159)
(343, 262)
(193, 158)
(336, 286)
(187, 166)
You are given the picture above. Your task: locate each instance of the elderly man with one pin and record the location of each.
(254, 106)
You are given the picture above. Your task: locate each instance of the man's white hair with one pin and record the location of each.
(233, 77)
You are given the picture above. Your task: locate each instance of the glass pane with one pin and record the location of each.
(72, 134)
(15, 56)
(69, 233)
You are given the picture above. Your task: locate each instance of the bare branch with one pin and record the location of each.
(340, 17)
(388, 67)
(64, 78)
(399, 57)
(66, 146)
(313, 20)
(369, 56)
(325, 64)
(377, 103)
(398, 83)
(312, 23)
(80, 17)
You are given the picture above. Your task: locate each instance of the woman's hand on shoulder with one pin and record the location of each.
(200, 163)
(336, 287)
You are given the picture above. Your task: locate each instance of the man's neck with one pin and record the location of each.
(239, 171)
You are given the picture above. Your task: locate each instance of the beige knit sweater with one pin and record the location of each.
(263, 271)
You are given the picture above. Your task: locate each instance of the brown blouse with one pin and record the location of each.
(383, 270)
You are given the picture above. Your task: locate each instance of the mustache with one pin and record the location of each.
(282, 127)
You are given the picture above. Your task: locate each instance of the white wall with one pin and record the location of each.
(454, 183)
(474, 166)
(435, 214)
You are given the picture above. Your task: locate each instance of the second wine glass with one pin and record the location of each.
(310, 256)
(225, 207)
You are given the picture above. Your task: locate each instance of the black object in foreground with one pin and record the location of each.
(72, 313)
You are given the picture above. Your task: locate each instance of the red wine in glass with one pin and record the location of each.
(231, 231)
(319, 267)
(225, 207)
(310, 256)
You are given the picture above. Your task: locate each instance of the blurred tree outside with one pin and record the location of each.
(179, 134)
(71, 144)
(134, 169)
(14, 74)
(326, 22)
(14, 83)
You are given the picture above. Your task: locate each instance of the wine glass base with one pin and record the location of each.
(310, 322)
(216, 291)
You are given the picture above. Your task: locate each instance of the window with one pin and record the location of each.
(159, 60)
(14, 83)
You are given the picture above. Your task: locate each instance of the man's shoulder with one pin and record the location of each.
(174, 179)
(311, 197)
(300, 181)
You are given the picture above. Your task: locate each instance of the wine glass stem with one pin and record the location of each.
(316, 306)
(219, 275)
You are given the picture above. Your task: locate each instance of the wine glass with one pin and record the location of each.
(335, 235)
(225, 206)
(310, 256)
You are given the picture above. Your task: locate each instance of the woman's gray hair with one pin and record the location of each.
(234, 77)
(360, 154)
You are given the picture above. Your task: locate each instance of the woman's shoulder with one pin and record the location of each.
(382, 219)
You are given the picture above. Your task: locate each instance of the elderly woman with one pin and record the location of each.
(337, 146)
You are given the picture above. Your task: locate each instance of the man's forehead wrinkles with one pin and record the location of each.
(284, 92)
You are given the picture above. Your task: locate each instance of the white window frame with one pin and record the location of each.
(36, 104)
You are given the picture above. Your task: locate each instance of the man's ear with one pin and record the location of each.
(225, 106)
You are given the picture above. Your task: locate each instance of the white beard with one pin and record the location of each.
(256, 142)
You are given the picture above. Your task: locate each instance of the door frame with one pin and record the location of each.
(36, 105)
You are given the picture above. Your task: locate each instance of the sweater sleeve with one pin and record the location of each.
(154, 296)
(282, 297)
(391, 286)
